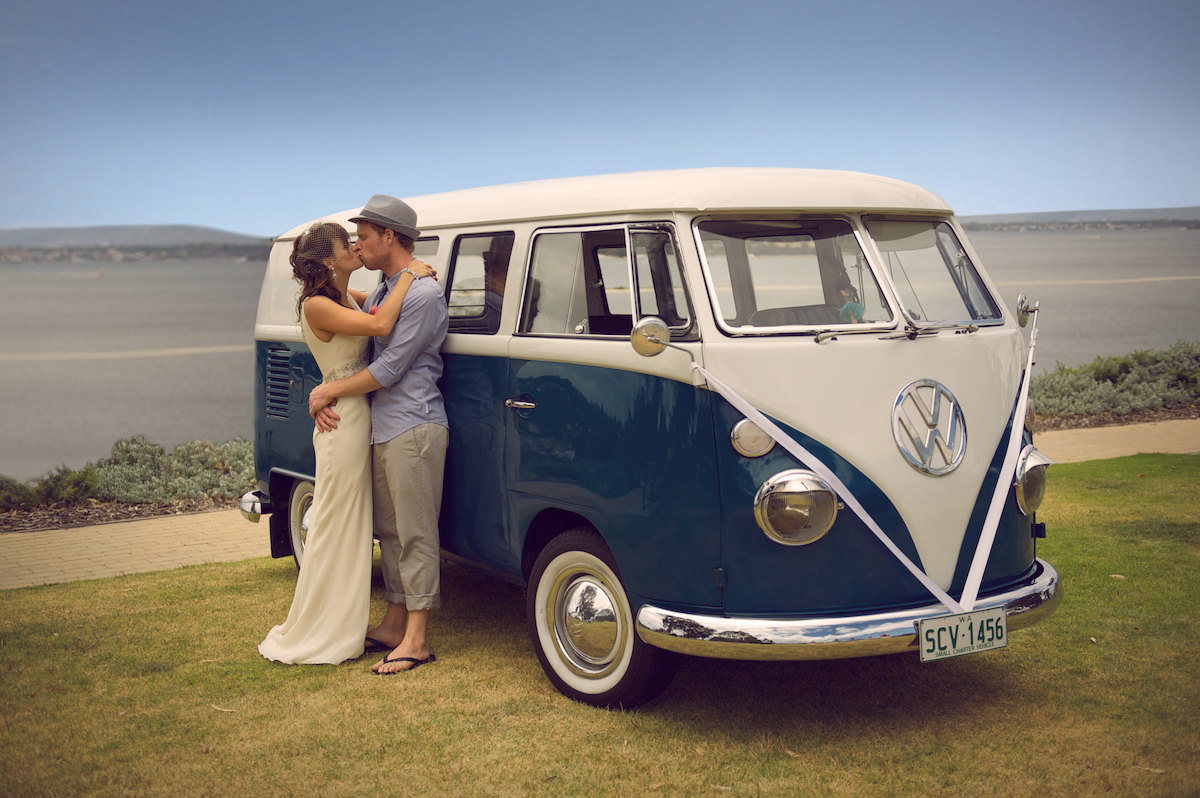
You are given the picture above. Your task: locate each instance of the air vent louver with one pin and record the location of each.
(278, 381)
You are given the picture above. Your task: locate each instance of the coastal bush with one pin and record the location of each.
(16, 495)
(1147, 379)
(141, 472)
(67, 485)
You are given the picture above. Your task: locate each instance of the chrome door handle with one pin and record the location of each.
(517, 404)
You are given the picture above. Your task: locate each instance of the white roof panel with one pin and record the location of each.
(714, 189)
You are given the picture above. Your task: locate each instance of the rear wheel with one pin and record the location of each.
(299, 506)
(581, 625)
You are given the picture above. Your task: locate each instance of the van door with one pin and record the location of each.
(594, 429)
(474, 520)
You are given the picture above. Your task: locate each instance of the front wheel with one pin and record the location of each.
(582, 626)
(299, 507)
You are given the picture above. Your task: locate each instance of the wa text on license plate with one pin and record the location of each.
(953, 635)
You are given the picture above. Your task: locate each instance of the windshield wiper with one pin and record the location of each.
(912, 331)
(822, 336)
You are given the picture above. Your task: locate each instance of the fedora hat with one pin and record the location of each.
(391, 213)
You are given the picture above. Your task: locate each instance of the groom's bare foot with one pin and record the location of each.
(403, 659)
(381, 637)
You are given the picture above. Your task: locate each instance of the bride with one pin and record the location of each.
(331, 608)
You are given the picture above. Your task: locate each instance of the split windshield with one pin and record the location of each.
(934, 276)
(777, 273)
(769, 273)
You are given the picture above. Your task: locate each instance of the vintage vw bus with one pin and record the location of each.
(745, 413)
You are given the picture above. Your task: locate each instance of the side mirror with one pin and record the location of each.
(650, 336)
(1024, 309)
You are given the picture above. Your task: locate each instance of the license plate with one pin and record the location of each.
(954, 635)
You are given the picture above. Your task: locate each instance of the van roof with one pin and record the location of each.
(713, 189)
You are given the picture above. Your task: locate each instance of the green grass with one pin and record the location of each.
(150, 684)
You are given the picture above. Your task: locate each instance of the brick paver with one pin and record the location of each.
(156, 544)
(149, 544)
(1075, 445)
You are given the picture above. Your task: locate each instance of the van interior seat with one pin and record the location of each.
(801, 314)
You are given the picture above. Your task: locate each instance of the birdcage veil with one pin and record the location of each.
(315, 245)
(310, 251)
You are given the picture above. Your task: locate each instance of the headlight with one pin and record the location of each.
(795, 507)
(1030, 415)
(1029, 484)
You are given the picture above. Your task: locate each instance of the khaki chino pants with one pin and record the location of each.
(407, 474)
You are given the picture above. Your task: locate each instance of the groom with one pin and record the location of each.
(409, 433)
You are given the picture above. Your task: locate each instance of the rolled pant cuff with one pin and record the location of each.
(431, 601)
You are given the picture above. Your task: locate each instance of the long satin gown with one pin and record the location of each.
(331, 608)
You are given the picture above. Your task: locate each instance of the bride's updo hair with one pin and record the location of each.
(309, 252)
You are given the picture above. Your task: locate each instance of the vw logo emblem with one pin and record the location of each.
(929, 427)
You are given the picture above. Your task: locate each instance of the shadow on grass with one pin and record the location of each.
(482, 611)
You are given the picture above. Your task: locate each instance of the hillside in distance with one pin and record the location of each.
(124, 243)
(121, 236)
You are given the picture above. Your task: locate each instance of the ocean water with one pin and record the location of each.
(1104, 293)
(93, 353)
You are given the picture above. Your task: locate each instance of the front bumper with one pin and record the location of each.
(255, 505)
(832, 638)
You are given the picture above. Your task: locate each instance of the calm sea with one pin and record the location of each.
(1100, 293)
(92, 353)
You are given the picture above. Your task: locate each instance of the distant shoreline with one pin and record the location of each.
(1025, 227)
(110, 254)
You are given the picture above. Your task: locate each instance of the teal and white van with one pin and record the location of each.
(757, 414)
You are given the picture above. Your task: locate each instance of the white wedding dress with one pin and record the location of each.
(331, 609)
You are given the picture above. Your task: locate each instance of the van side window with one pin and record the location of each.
(579, 285)
(477, 272)
(659, 281)
(581, 282)
(425, 249)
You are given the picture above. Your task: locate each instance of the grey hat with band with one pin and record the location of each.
(391, 213)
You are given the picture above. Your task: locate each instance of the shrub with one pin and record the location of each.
(130, 474)
(16, 495)
(1142, 380)
(136, 451)
(67, 485)
(141, 472)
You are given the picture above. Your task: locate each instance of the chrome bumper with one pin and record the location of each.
(832, 638)
(255, 505)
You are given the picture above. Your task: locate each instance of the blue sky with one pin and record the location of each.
(256, 116)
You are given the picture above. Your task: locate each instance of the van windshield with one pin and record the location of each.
(781, 273)
(934, 276)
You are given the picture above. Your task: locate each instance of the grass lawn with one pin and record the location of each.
(150, 684)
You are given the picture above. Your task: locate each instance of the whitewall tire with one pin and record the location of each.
(299, 507)
(581, 625)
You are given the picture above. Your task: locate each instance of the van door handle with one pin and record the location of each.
(517, 404)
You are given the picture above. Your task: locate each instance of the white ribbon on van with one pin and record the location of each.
(1003, 483)
(806, 457)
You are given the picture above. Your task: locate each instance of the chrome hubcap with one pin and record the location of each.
(587, 625)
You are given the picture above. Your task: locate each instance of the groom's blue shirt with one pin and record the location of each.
(408, 362)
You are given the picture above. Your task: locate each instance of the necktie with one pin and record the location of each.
(383, 291)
